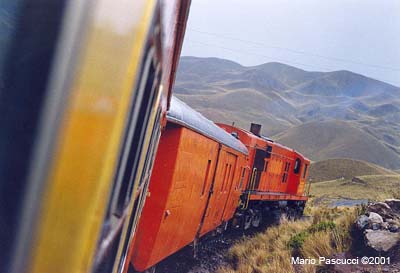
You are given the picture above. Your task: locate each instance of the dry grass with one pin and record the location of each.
(332, 169)
(326, 233)
(372, 187)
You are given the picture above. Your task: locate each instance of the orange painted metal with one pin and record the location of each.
(236, 189)
(303, 176)
(197, 183)
(228, 166)
(179, 188)
(276, 179)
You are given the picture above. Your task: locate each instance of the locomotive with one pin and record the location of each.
(210, 176)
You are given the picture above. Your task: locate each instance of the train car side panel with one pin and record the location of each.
(188, 185)
(303, 177)
(84, 161)
(158, 194)
(238, 185)
(223, 181)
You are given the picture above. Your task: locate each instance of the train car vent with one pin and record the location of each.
(255, 129)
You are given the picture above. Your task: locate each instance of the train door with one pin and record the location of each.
(223, 179)
(303, 178)
(235, 189)
(257, 170)
(285, 176)
(294, 177)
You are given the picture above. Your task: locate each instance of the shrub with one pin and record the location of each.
(297, 240)
(322, 226)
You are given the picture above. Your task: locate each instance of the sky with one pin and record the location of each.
(362, 36)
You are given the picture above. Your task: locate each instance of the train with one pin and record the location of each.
(102, 170)
(84, 91)
(210, 177)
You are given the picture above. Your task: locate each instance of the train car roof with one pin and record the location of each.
(182, 114)
(271, 142)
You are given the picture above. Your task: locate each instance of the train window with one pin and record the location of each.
(224, 177)
(206, 178)
(132, 150)
(135, 136)
(226, 182)
(305, 170)
(297, 166)
(229, 176)
(242, 178)
(259, 159)
(285, 174)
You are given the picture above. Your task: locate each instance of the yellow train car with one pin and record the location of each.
(84, 88)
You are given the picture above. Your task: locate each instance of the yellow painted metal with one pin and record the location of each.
(80, 180)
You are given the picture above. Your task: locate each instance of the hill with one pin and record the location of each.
(322, 114)
(333, 139)
(342, 168)
(369, 187)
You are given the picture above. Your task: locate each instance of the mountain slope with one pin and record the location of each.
(359, 115)
(334, 139)
(341, 168)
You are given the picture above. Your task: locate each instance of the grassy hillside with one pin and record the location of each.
(338, 168)
(270, 251)
(332, 139)
(345, 114)
(371, 187)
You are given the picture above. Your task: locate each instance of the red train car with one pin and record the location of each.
(195, 186)
(277, 177)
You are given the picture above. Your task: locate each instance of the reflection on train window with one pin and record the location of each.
(242, 178)
(297, 166)
(285, 174)
(229, 177)
(206, 178)
(8, 16)
(224, 177)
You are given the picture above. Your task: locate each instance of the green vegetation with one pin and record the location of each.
(322, 226)
(297, 240)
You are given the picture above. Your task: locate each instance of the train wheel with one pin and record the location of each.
(150, 270)
(283, 217)
(248, 219)
(292, 214)
(256, 219)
